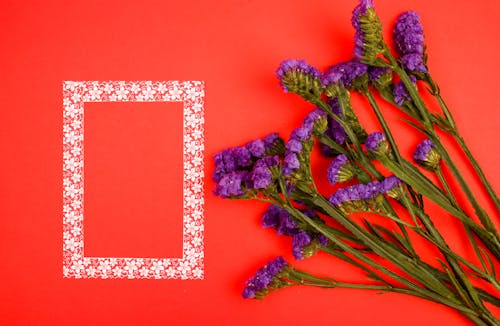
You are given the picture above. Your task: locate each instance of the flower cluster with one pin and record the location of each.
(314, 122)
(339, 170)
(299, 77)
(335, 131)
(368, 42)
(380, 77)
(365, 192)
(259, 284)
(303, 242)
(376, 143)
(408, 37)
(282, 174)
(426, 155)
(351, 74)
(400, 93)
(247, 167)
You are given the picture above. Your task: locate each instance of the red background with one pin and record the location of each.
(234, 46)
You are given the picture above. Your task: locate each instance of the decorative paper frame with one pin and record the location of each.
(75, 95)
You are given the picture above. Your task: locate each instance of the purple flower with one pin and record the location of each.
(301, 134)
(423, 150)
(346, 72)
(231, 184)
(291, 163)
(270, 139)
(408, 37)
(381, 77)
(311, 118)
(299, 241)
(256, 147)
(339, 197)
(279, 219)
(338, 170)
(373, 140)
(241, 157)
(294, 146)
(334, 130)
(271, 160)
(414, 62)
(220, 168)
(260, 176)
(263, 277)
(376, 72)
(365, 192)
(359, 11)
(224, 163)
(291, 72)
(426, 155)
(271, 217)
(368, 37)
(389, 184)
(353, 193)
(400, 92)
(322, 239)
(369, 190)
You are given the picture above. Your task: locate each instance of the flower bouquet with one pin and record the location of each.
(278, 172)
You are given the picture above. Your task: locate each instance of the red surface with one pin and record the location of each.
(234, 46)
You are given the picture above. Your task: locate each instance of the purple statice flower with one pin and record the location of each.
(380, 77)
(359, 11)
(369, 190)
(408, 37)
(271, 160)
(292, 69)
(261, 176)
(291, 163)
(242, 157)
(366, 40)
(231, 184)
(270, 139)
(300, 134)
(375, 73)
(263, 277)
(256, 148)
(311, 119)
(422, 150)
(339, 197)
(389, 184)
(373, 140)
(346, 72)
(339, 170)
(400, 92)
(225, 163)
(220, 167)
(299, 241)
(334, 130)
(279, 219)
(365, 192)
(294, 146)
(337, 131)
(271, 217)
(426, 155)
(322, 239)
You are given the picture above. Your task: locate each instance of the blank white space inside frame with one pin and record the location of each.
(75, 264)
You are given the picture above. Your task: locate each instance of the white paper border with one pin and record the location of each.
(75, 264)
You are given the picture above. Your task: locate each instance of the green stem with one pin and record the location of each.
(384, 125)
(478, 170)
(415, 96)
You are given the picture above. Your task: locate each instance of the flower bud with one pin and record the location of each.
(427, 156)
